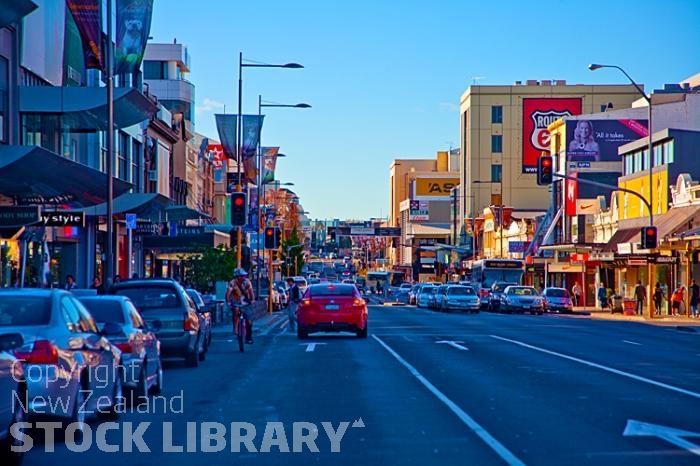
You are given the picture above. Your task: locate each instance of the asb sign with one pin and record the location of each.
(537, 115)
(435, 187)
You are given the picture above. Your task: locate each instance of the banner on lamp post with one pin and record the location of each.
(86, 14)
(133, 28)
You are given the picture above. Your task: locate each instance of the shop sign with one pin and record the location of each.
(63, 219)
(19, 216)
(602, 256)
(664, 260)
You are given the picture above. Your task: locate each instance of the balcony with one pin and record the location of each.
(171, 89)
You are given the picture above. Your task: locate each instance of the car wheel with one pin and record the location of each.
(362, 333)
(302, 332)
(203, 353)
(7, 456)
(158, 387)
(192, 359)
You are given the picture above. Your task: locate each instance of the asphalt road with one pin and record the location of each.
(427, 388)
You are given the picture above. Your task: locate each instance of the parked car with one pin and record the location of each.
(204, 314)
(402, 292)
(66, 354)
(495, 294)
(12, 391)
(166, 306)
(521, 299)
(424, 293)
(557, 300)
(413, 293)
(435, 299)
(460, 297)
(332, 308)
(120, 321)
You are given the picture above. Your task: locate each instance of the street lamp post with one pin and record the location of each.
(596, 66)
(239, 130)
(260, 168)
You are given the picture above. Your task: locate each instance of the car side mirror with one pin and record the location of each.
(10, 341)
(111, 329)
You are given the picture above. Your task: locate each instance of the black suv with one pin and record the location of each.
(171, 314)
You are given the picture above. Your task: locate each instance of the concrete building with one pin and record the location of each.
(503, 129)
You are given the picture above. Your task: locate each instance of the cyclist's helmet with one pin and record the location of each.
(240, 273)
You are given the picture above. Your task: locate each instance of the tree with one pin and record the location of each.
(292, 254)
(209, 265)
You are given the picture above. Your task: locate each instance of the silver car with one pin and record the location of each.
(522, 299)
(460, 297)
(424, 294)
(72, 370)
(119, 321)
(12, 391)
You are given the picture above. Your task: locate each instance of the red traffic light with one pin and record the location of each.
(546, 162)
(650, 231)
(238, 201)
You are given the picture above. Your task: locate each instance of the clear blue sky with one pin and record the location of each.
(385, 77)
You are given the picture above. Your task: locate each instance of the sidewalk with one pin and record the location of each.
(597, 313)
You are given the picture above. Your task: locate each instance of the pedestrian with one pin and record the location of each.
(677, 299)
(694, 298)
(97, 285)
(658, 298)
(602, 296)
(640, 295)
(70, 283)
(294, 299)
(576, 293)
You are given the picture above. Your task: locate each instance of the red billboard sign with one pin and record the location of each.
(537, 115)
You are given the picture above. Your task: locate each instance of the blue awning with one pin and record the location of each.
(34, 175)
(11, 11)
(144, 205)
(178, 213)
(82, 108)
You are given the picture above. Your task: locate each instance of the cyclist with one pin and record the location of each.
(240, 295)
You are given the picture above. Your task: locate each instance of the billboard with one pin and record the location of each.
(419, 211)
(435, 187)
(537, 115)
(598, 140)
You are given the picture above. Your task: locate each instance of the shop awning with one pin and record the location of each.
(186, 243)
(674, 220)
(179, 213)
(12, 11)
(423, 230)
(34, 175)
(144, 205)
(82, 108)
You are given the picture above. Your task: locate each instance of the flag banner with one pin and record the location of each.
(252, 124)
(253, 205)
(86, 14)
(269, 162)
(226, 126)
(250, 170)
(203, 154)
(133, 29)
(215, 154)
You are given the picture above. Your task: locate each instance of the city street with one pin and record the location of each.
(428, 388)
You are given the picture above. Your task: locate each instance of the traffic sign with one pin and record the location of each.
(130, 221)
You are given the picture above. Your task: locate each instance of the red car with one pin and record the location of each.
(332, 307)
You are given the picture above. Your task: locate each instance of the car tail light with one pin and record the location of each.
(357, 302)
(187, 325)
(306, 301)
(484, 293)
(125, 347)
(43, 352)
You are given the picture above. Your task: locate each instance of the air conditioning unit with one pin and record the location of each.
(152, 175)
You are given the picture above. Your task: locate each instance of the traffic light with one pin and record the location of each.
(545, 170)
(649, 238)
(239, 209)
(272, 238)
(269, 238)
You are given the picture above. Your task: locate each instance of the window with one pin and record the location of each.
(496, 173)
(70, 314)
(103, 310)
(496, 143)
(4, 85)
(668, 151)
(658, 155)
(135, 163)
(629, 164)
(155, 69)
(496, 114)
(122, 156)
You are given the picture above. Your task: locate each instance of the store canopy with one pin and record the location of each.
(82, 108)
(11, 11)
(178, 213)
(144, 205)
(34, 175)
(674, 220)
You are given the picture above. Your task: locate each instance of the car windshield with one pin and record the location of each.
(557, 293)
(460, 290)
(104, 310)
(150, 297)
(518, 291)
(332, 290)
(24, 310)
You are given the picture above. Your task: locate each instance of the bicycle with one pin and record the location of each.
(239, 326)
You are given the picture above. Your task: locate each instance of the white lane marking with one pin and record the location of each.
(669, 434)
(631, 342)
(605, 368)
(495, 445)
(454, 344)
(310, 346)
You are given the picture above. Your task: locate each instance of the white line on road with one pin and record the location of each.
(310, 347)
(600, 366)
(454, 344)
(631, 342)
(495, 445)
